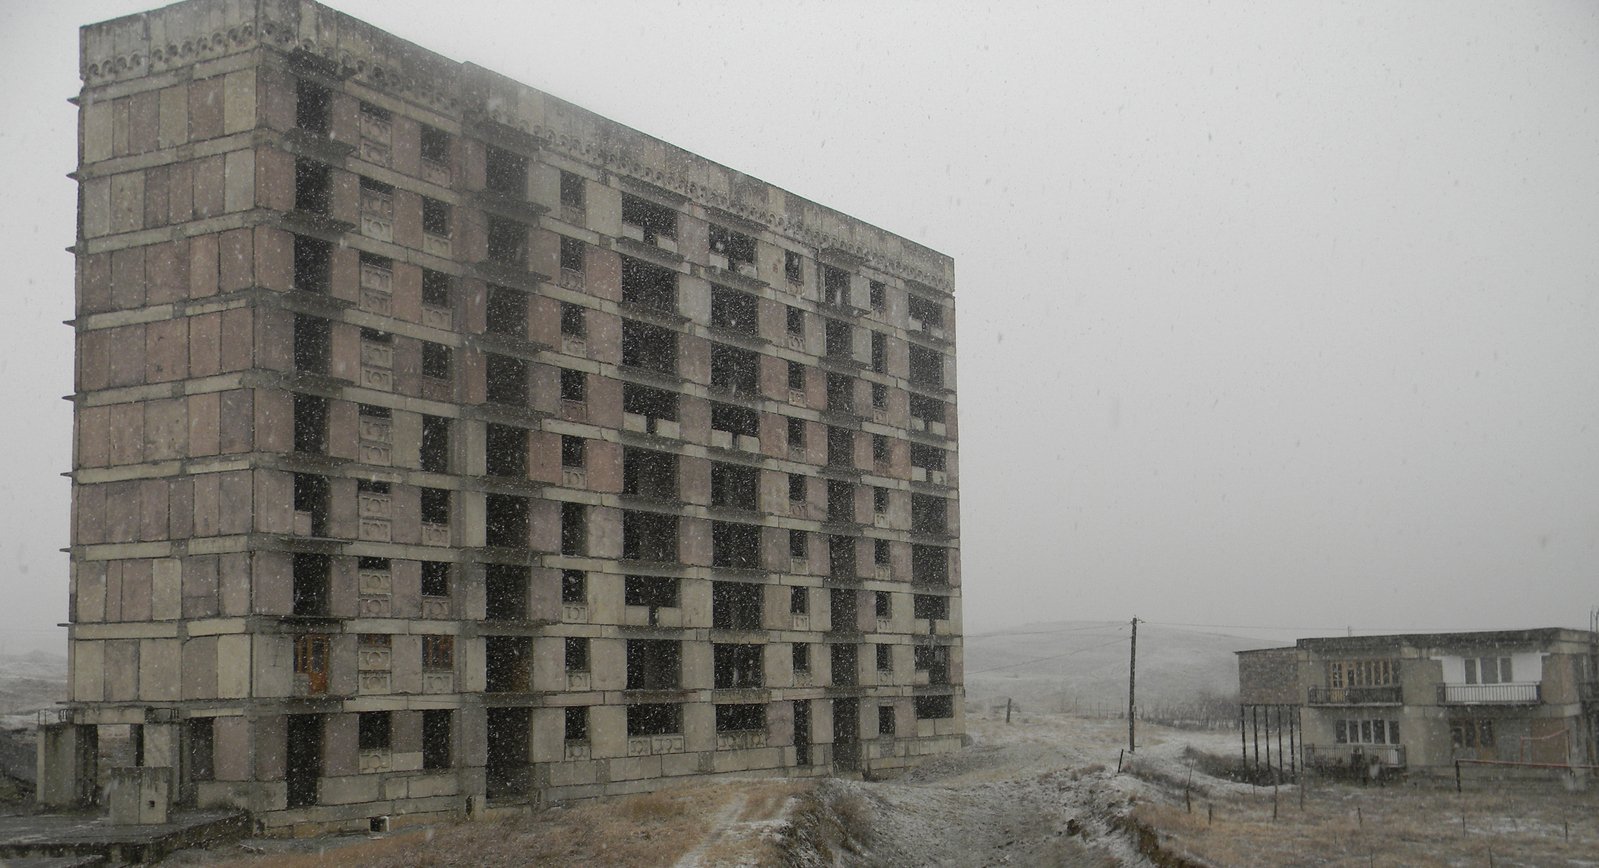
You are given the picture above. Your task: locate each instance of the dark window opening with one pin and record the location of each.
(572, 320)
(733, 310)
(796, 433)
(435, 146)
(738, 666)
(840, 340)
(885, 720)
(799, 601)
(574, 386)
(435, 579)
(505, 521)
(840, 501)
(929, 514)
(835, 285)
(736, 246)
(735, 546)
(880, 352)
(313, 344)
(802, 658)
(879, 396)
(927, 368)
(313, 108)
(930, 607)
(435, 361)
(877, 290)
(885, 658)
(845, 662)
(312, 578)
(884, 606)
(504, 172)
(436, 218)
(313, 187)
(436, 726)
(841, 557)
(744, 717)
(881, 552)
(793, 267)
(734, 370)
(929, 565)
(303, 758)
(577, 723)
(650, 347)
(651, 592)
(505, 449)
(653, 664)
(506, 312)
(879, 448)
(924, 313)
(928, 457)
(842, 606)
(796, 487)
(507, 242)
(438, 653)
(435, 447)
(573, 452)
(310, 424)
(574, 587)
(313, 264)
(645, 401)
(654, 719)
(577, 655)
(934, 660)
(505, 592)
(796, 321)
(840, 393)
(574, 529)
(934, 707)
(927, 409)
(879, 500)
(798, 544)
(653, 221)
(435, 506)
(311, 495)
(734, 486)
(648, 536)
(374, 729)
(648, 286)
(507, 664)
(436, 289)
(735, 606)
(571, 254)
(739, 421)
(505, 379)
(506, 770)
(202, 748)
(572, 190)
(649, 474)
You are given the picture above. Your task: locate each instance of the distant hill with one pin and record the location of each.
(1082, 665)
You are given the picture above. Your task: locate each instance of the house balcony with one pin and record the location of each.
(1490, 694)
(1391, 694)
(1331, 756)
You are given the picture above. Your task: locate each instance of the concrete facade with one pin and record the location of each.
(441, 445)
(1526, 696)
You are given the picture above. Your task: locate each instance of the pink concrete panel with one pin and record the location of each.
(274, 179)
(166, 429)
(125, 355)
(237, 250)
(153, 517)
(204, 423)
(203, 274)
(136, 580)
(144, 119)
(127, 278)
(180, 508)
(205, 108)
(237, 339)
(602, 274)
(125, 440)
(166, 351)
(236, 501)
(209, 186)
(157, 193)
(274, 259)
(94, 282)
(235, 421)
(166, 268)
(207, 504)
(180, 192)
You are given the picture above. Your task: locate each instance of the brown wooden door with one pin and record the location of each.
(311, 661)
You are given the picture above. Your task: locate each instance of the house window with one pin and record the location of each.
(650, 221)
(313, 344)
(1470, 733)
(435, 506)
(793, 267)
(934, 707)
(202, 748)
(505, 313)
(737, 666)
(880, 448)
(738, 248)
(435, 218)
(797, 546)
(505, 521)
(885, 718)
(435, 146)
(734, 486)
(574, 587)
(799, 601)
(735, 546)
(577, 655)
(1364, 673)
(574, 528)
(930, 607)
(435, 579)
(796, 376)
(574, 385)
(796, 487)
(744, 717)
(880, 352)
(883, 605)
(435, 449)
(312, 108)
(311, 493)
(436, 289)
(505, 450)
(310, 424)
(835, 286)
(879, 500)
(436, 726)
(313, 264)
(649, 286)
(1488, 670)
(653, 664)
(435, 360)
(796, 433)
(885, 658)
(438, 653)
(796, 321)
(505, 592)
(879, 396)
(504, 172)
(507, 242)
(312, 574)
(733, 310)
(313, 186)
(650, 347)
(880, 552)
(877, 291)
(572, 190)
(505, 379)
(572, 320)
(735, 606)
(373, 730)
(802, 658)
(573, 451)
(577, 723)
(571, 255)
(1366, 731)
(654, 719)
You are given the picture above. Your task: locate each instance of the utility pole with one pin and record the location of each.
(1132, 690)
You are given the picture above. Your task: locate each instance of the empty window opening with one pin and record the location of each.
(796, 433)
(436, 579)
(655, 404)
(650, 347)
(843, 606)
(436, 726)
(572, 193)
(799, 601)
(651, 592)
(841, 557)
(438, 653)
(840, 447)
(884, 605)
(302, 759)
(879, 396)
(734, 486)
(507, 664)
(733, 310)
(735, 606)
(796, 487)
(929, 565)
(881, 552)
(574, 529)
(574, 587)
(435, 361)
(796, 321)
(796, 376)
(312, 579)
(736, 247)
(505, 379)
(880, 449)
(436, 290)
(313, 264)
(505, 172)
(505, 449)
(577, 655)
(798, 544)
(374, 730)
(573, 323)
(840, 501)
(574, 386)
(840, 393)
(313, 344)
(506, 312)
(435, 506)
(802, 658)
(505, 520)
(879, 500)
(885, 658)
(877, 291)
(311, 495)
(930, 607)
(202, 748)
(435, 146)
(648, 536)
(577, 723)
(505, 592)
(927, 368)
(313, 187)
(743, 717)
(880, 352)
(734, 370)
(313, 108)
(434, 454)
(934, 707)
(793, 267)
(738, 666)
(507, 242)
(573, 452)
(840, 340)
(648, 286)
(736, 420)
(654, 719)
(835, 285)
(927, 457)
(310, 424)
(925, 314)
(885, 720)
(653, 222)
(845, 661)
(650, 474)
(571, 255)
(735, 546)
(653, 664)
(436, 218)
(506, 772)
(927, 409)
(929, 514)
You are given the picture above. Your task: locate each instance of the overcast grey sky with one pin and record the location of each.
(1269, 313)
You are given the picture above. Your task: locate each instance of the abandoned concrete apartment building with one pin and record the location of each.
(442, 445)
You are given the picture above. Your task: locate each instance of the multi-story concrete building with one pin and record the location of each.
(1419, 702)
(441, 444)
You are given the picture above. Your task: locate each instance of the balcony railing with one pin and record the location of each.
(1490, 694)
(1390, 756)
(1390, 694)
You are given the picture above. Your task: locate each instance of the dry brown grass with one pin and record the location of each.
(1348, 825)
(649, 829)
